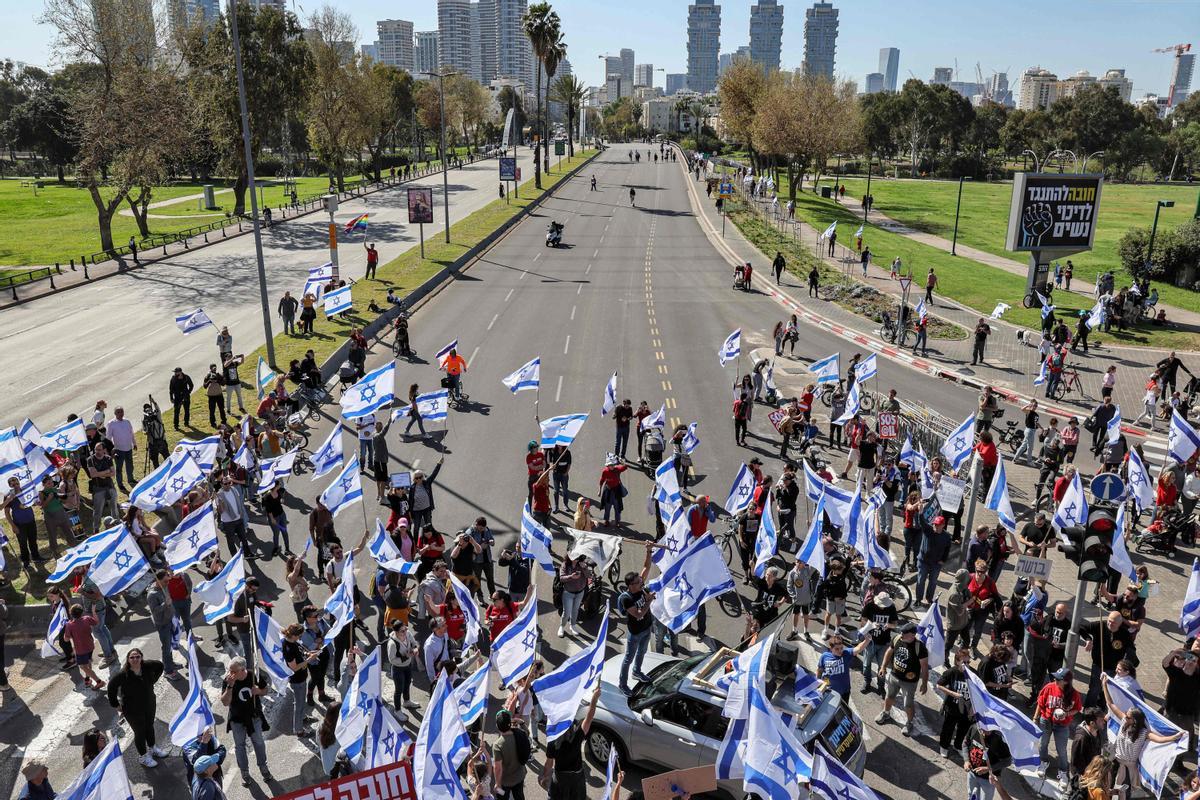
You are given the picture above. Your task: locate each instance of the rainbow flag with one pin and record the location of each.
(359, 223)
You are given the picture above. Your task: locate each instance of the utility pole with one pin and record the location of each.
(441, 76)
(258, 251)
(957, 209)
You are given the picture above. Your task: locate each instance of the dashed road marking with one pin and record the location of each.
(508, 296)
(567, 345)
(493, 322)
(558, 391)
(573, 313)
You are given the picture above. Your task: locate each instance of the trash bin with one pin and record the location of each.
(826, 192)
(210, 197)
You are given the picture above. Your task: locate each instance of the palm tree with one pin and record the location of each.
(681, 105)
(543, 29)
(555, 54)
(699, 114)
(569, 91)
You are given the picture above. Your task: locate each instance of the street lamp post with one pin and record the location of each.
(957, 209)
(441, 76)
(258, 251)
(1161, 204)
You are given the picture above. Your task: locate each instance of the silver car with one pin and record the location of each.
(673, 721)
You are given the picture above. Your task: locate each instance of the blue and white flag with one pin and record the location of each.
(697, 574)
(1096, 317)
(364, 693)
(812, 551)
(194, 713)
(1047, 309)
(932, 631)
(860, 532)
(472, 694)
(830, 231)
(922, 311)
(1043, 373)
(102, 779)
(656, 419)
(1018, 731)
(268, 640)
(444, 353)
(168, 484)
(470, 609)
(338, 301)
(315, 285)
(564, 691)
(830, 778)
(1140, 487)
(203, 451)
(432, 406)
(807, 687)
(329, 456)
(274, 470)
(610, 396)
(775, 762)
(324, 271)
(54, 630)
(749, 666)
(376, 390)
(610, 773)
(561, 430)
(22, 456)
(264, 377)
(853, 404)
(244, 457)
(1157, 758)
(69, 436)
(666, 489)
(515, 647)
(690, 440)
(381, 546)
(193, 539)
(442, 746)
(908, 455)
(1182, 439)
(731, 348)
(340, 604)
(1189, 615)
(1120, 561)
(220, 593)
(536, 542)
(192, 321)
(384, 740)
(865, 369)
(959, 443)
(346, 489)
(1114, 427)
(858, 233)
(766, 543)
(84, 553)
(527, 377)
(742, 491)
(828, 369)
(119, 565)
(998, 499)
(1072, 510)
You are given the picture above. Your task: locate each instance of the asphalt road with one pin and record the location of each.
(637, 289)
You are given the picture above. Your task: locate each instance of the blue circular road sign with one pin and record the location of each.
(1107, 486)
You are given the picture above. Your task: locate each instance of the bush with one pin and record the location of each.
(1176, 253)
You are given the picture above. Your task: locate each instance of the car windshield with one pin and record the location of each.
(664, 680)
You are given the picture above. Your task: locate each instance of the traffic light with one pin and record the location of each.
(1090, 546)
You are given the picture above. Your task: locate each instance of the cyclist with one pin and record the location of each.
(632, 196)
(401, 328)
(454, 365)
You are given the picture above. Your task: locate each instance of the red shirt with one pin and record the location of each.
(372, 257)
(79, 631)
(1051, 697)
(456, 622)
(806, 401)
(759, 500)
(982, 592)
(988, 453)
(535, 462)
(541, 496)
(177, 587)
(1060, 487)
(739, 408)
(498, 618)
(436, 543)
(611, 476)
(1165, 496)
(698, 522)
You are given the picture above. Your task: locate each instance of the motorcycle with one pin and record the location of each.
(554, 233)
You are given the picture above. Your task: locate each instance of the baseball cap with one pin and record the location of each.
(883, 600)
(1061, 674)
(939, 520)
(205, 763)
(908, 627)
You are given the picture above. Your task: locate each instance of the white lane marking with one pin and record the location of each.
(523, 274)
(139, 380)
(567, 346)
(106, 355)
(580, 289)
(474, 353)
(416, 463)
(589, 269)
(508, 296)
(558, 391)
(47, 383)
(159, 328)
(536, 257)
(17, 333)
(573, 313)
(493, 322)
(596, 252)
(601, 238)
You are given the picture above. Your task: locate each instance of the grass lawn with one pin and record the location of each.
(928, 206)
(273, 194)
(405, 272)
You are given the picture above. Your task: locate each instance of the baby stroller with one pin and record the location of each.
(347, 375)
(741, 276)
(653, 447)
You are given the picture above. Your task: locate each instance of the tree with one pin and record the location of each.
(569, 91)
(880, 115)
(917, 119)
(983, 138)
(1183, 146)
(1092, 119)
(1176, 253)
(544, 31)
(740, 89)
(43, 124)
(386, 100)
(334, 124)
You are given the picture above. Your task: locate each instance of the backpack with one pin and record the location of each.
(521, 741)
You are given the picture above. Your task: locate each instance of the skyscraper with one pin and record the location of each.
(643, 75)
(1039, 89)
(425, 54)
(1116, 78)
(483, 40)
(703, 45)
(875, 82)
(615, 84)
(627, 67)
(942, 75)
(394, 43)
(676, 82)
(766, 33)
(370, 51)
(820, 39)
(889, 66)
(514, 54)
(191, 12)
(1181, 78)
(455, 36)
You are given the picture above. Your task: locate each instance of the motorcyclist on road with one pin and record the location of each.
(401, 328)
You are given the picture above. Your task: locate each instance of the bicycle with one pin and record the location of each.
(1069, 382)
(309, 401)
(887, 328)
(456, 398)
(866, 400)
(1012, 436)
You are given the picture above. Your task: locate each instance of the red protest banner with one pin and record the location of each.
(888, 425)
(776, 418)
(390, 782)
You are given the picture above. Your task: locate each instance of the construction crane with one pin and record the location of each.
(985, 89)
(1178, 50)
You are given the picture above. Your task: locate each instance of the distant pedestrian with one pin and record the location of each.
(779, 264)
(982, 331)
(1068, 273)
(931, 283)
(895, 268)
(865, 259)
(814, 283)
(372, 259)
(287, 310)
(832, 242)
(133, 249)
(180, 390)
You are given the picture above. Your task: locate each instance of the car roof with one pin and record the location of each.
(701, 684)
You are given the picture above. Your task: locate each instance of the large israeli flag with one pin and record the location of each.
(830, 231)
(432, 406)
(268, 638)
(536, 542)
(812, 551)
(922, 311)
(444, 353)
(470, 609)
(775, 762)
(1018, 731)
(58, 623)
(119, 565)
(958, 445)
(742, 491)
(1157, 757)
(381, 546)
(194, 713)
(827, 369)
(384, 740)
(515, 648)
(274, 470)
(346, 489)
(1189, 614)
(1182, 439)
(830, 778)
(264, 377)
(860, 532)
(853, 405)
(766, 543)
(932, 631)
(610, 396)
(1141, 489)
(561, 430)
(70, 436)
(168, 484)
(565, 690)
(1072, 510)
(340, 604)
(221, 592)
(837, 500)
(697, 574)
(84, 553)
(22, 456)
(315, 285)
(364, 693)
(102, 779)
(690, 440)
(329, 456)
(527, 377)
(1113, 429)
(203, 451)
(192, 321)
(666, 489)
(376, 390)
(657, 419)
(866, 369)
(998, 499)
(731, 348)
(193, 539)
(442, 746)
(747, 668)
(472, 694)
(338, 301)
(1120, 561)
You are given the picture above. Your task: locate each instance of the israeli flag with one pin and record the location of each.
(561, 430)
(932, 631)
(1140, 487)
(103, 779)
(858, 233)
(1182, 439)
(1043, 373)
(268, 639)
(381, 546)
(364, 693)
(959, 443)
(346, 489)
(203, 451)
(774, 760)
(828, 369)
(340, 604)
(731, 348)
(666, 489)
(1120, 560)
(853, 404)
(442, 746)
(338, 301)
(564, 691)
(22, 457)
(1018, 731)
(1096, 317)
(192, 540)
(690, 440)
(812, 552)
(907, 454)
(860, 532)
(194, 714)
(221, 592)
(325, 271)
(922, 311)
(264, 377)
(192, 321)
(273, 470)
(610, 773)
(673, 541)
(866, 369)
(1114, 427)
(742, 491)
(472, 694)
(610, 396)
(1189, 615)
(698, 574)
(1047, 310)
(119, 565)
(766, 544)
(999, 310)
(329, 455)
(740, 672)
(168, 484)
(244, 457)
(384, 740)
(315, 285)
(806, 688)
(70, 436)
(837, 501)
(830, 231)
(536, 542)
(998, 499)
(1157, 757)
(656, 419)
(515, 648)
(444, 353)
(1072, 510)
(527, 377)
(830, 778)
(376, 390)
(432, 406)
(84, 553)
(470, 609)
(58, 624)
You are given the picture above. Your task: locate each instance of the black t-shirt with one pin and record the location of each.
(1031, 419)
(1058, 630)
(100, 464)
(1183, 691)
(622, 414)
(464, 562)
(881, 617)
(955, 680)
(272, 505)
(995, 672)
(639, 600)
(293, 652)
(906, 659)
(567, 750)
(1107, 647)
(244, 707)
(562, 462)
(866, 455)
(835, 586)
(1033, 533)
(518, 574)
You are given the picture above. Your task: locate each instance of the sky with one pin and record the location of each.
(1064, 37)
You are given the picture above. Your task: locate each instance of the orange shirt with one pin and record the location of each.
(455, 365)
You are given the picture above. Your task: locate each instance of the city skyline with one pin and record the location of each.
(1109, 36)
